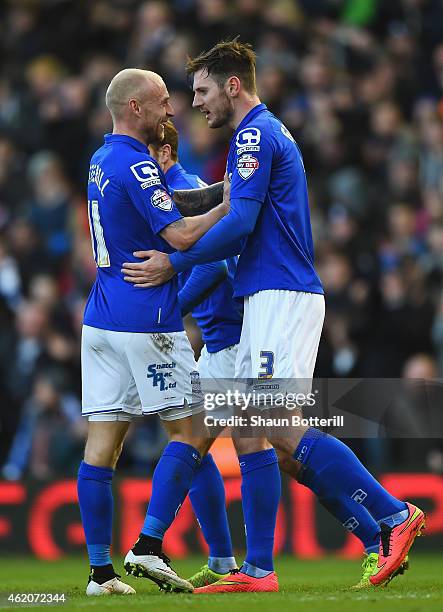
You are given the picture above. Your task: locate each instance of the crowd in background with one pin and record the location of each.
(360, 86)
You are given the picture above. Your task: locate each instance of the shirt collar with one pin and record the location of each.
(133, 142)
(173, 171)
(250, 116)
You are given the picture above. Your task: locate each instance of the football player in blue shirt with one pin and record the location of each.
(220, 323)
(283, 314)
(217, 316)
(136, 357)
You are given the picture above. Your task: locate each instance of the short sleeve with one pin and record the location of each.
(146, 188)
(251, 164)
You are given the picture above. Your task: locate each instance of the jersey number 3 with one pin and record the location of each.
(266, 365)
(99, 249)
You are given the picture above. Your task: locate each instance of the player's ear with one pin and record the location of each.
(165, 153)
(134, 106)
(233, 86)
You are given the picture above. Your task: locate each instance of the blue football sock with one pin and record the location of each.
(261, 489)
(355, 518)
(207, 495)
(333, 471)
(394, 519)
(94, 486)
(252, 570)
(170, 485)
(222, 565)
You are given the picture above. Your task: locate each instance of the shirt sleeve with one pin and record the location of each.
(251, 164)
(200, 284)
(144, 184)
(223, 239)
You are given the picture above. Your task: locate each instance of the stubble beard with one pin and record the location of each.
(225, 113)
(154, 134)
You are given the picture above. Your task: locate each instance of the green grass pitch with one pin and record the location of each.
(315, 585)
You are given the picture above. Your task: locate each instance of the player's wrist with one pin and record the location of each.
(177, 261)
(223, 209)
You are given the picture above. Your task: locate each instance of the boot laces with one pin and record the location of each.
(385, 536)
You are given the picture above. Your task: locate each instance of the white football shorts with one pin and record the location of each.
(279, 340)
(217, 372)
(217, 365)
(127, 374)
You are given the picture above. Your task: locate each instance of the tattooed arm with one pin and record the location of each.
(192, 202)
(183, 233)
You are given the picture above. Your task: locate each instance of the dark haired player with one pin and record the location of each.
(220, 324)
(283, 314)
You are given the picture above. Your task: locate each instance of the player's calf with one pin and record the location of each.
(170, 485)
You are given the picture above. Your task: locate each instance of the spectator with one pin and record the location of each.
(360, 88)
(51, 433)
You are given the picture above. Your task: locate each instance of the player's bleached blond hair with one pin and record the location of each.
(130, 83)
(227, 58)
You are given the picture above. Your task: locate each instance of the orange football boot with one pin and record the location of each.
(237, 582)
(395, 543)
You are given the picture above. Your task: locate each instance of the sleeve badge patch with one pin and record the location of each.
(161, 199)
(247, 165)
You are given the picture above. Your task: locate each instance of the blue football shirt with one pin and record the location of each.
(177, 178)
(265, 164)
(217, 317)
(128, 205)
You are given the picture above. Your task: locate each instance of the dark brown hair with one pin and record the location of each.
(227, 58)
(170, 138)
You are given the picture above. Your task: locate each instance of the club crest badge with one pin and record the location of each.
(247, 165)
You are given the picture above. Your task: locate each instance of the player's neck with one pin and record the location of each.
(168, 165)
(242, 107)
(124, 130)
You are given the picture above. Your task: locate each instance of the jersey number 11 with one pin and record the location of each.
(99, 249)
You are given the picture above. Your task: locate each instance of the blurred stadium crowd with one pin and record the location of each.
(360, 86)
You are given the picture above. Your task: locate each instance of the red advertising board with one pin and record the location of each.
(44, 521)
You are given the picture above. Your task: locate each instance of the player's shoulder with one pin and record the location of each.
(139, 167)
(184, 181)
(277, 129)
(193, 181)
(282, 138)
(178, 177)
(98, 156)
(262, 131)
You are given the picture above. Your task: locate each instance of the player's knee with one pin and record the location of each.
(288, 444)
(244, 446)
(189, 431)
(289, 465)
(102, 454)
(105, 442)
(116, 455)
(200, 444)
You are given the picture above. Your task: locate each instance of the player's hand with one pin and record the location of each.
(155, 270)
